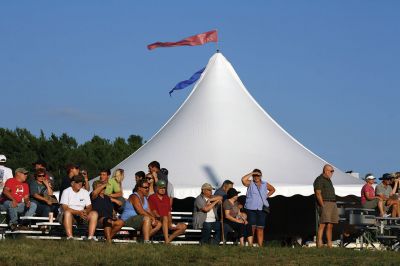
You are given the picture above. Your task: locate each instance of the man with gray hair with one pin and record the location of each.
(205, 215)
(326, 202)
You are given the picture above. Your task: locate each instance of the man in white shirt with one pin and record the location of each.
(5, 172)
(76, 207)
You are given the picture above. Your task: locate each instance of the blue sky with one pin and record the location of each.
(327, 71)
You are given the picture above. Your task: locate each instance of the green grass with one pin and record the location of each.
(45, 252)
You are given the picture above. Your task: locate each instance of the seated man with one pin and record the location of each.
(15, 198)
(137, 214)
(385, 192)
(41, 194)
(103, 205)
(368, 198)
(76, 207)
(160, 206)
(205, 215)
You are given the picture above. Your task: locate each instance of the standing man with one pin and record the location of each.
(224, 189)
(72, 170)
(5, 172)
(326, 200)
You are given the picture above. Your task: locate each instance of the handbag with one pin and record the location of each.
(265, 208)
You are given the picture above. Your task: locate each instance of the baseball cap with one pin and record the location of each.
(231, 193)
(3, 158)
(161, 184)
(369, 177)
(207, 186)
(386, 176)
(21, 170)
(77, 179)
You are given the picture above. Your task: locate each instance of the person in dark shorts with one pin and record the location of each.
(103, 205)
(258, 192)
(326, 202)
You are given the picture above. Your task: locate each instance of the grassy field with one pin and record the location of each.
(39, 252)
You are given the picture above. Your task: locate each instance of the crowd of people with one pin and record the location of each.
(384, 198)
(148, 208)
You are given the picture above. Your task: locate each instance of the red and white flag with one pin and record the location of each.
(199, 39)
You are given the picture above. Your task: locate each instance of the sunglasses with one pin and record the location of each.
(146, 188)
(332, 171)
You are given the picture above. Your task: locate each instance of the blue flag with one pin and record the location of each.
(183, 84)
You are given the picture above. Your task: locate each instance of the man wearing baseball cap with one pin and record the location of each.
(5, 172)
(160, 206)
(15, 198)
(385, 191)
(368, 198)
(205, 215)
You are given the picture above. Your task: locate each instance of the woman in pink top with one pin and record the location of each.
(368, 198)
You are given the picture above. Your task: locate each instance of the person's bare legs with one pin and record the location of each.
(92, 220)
(329, 227)
(146, 228)
(155, 228)
(68, 223)
(165, 222)
(381, 208)
(179, 229)
(107, 233)
(321, 229)
(241, 240)
(116, 226)
(260, 236)
(250, 240)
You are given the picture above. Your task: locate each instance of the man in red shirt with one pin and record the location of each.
(15, 197)
(160, 206)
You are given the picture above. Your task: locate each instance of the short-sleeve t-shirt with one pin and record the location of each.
(162, 206)
(75, 200)
(112, 187)
(5, 174)
(382, 190)
(367, 189)
(18, 189)
(325, 185)
(103, 206)
(233, 208)
(36, 188)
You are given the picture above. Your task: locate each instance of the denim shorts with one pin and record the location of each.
(256, 218)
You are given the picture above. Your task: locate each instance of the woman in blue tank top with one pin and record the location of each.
(257, 195)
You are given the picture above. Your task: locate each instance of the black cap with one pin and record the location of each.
(231, 193)
(386, 176)
(78, 179)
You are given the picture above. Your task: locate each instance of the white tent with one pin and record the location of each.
(220, 132)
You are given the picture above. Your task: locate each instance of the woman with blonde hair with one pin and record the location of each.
(114, 189)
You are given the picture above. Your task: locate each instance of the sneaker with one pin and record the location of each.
(70, 238)
(91, 238)
(22, 227)
(13, 227)
(146, 241)
(386, 215)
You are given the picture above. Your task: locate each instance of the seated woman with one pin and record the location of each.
(114, 189)
(368, 198)
(137, 214)
(234, 218)
(41, 193)
(150, 180)
(103, 205)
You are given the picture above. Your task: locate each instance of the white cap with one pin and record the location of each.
(3, 158)
(369, 177)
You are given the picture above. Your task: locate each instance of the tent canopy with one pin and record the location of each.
(220, 132)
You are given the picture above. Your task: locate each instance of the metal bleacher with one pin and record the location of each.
(42, 228)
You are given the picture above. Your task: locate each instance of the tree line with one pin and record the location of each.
(22, 149)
